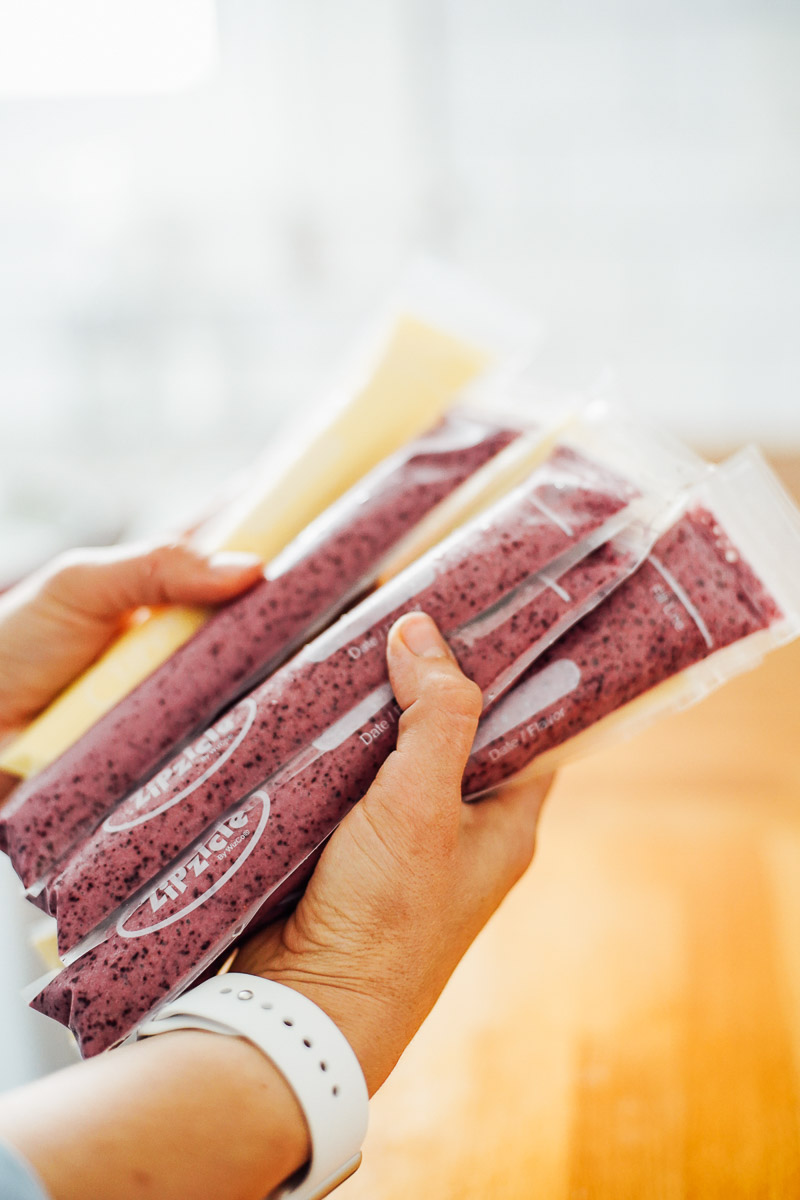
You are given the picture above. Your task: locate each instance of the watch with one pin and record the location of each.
(308, 1049)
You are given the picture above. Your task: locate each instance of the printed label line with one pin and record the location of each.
(546, 511)
(672, 582)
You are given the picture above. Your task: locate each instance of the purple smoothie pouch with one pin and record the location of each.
(694, 607)
(187, 920)
(483, 587)
(237, 872)
(310, 583)
(129, 849)
(693, 595)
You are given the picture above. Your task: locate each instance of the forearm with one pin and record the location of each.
(182, 1114)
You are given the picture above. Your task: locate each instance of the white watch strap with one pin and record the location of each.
(308, 1049)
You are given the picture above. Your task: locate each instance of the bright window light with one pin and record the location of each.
(90, 47)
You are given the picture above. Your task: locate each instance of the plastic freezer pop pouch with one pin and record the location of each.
(353, 532)
(369, 526)
(233, 877)
(567, 506)
(326, 774)
(140, 839)
(437, 334)
(334, 559)
(719, 589)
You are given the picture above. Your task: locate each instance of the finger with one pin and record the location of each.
(107, 582)
(499, 835)
(419, 785)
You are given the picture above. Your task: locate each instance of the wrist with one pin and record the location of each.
(364, 1019)
(305, 1046)
(270, 1129)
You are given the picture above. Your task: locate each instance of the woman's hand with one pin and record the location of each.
(412, 873)
(56, 622)
(402, 888)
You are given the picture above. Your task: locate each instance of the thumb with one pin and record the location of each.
(419, 786)
(105, 583)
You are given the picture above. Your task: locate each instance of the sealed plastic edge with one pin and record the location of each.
(762, 521)
(500, 378)
(509, 390)
(32, 990)
(651, 460)
(452, 301)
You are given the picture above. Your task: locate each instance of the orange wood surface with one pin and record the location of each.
(628, 1025)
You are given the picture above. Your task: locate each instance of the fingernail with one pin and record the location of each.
(228, 561)
(422, 637)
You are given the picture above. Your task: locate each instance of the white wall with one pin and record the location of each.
(629, 170)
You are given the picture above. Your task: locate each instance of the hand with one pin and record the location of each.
(412, 873)
(403, 887)
(55, 623)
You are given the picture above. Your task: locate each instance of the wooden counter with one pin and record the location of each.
(628, 1025)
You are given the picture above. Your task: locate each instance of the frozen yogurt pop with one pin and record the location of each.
(238, 871)
(406, 374)
(718, 588)
(695, 599)
(144, 834)
(305, 587)
(484, 586)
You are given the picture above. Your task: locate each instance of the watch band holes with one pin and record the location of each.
(323, 1066)
(245, 995)
(267, 1005)
(307, 1043)
(334, 1090)
(288, 1021)
(226, 991)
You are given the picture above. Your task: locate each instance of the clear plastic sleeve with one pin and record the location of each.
(719, 590)
(487, 592)
(437, 333)
(331, 562)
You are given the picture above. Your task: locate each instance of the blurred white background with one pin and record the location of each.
(180, 269)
